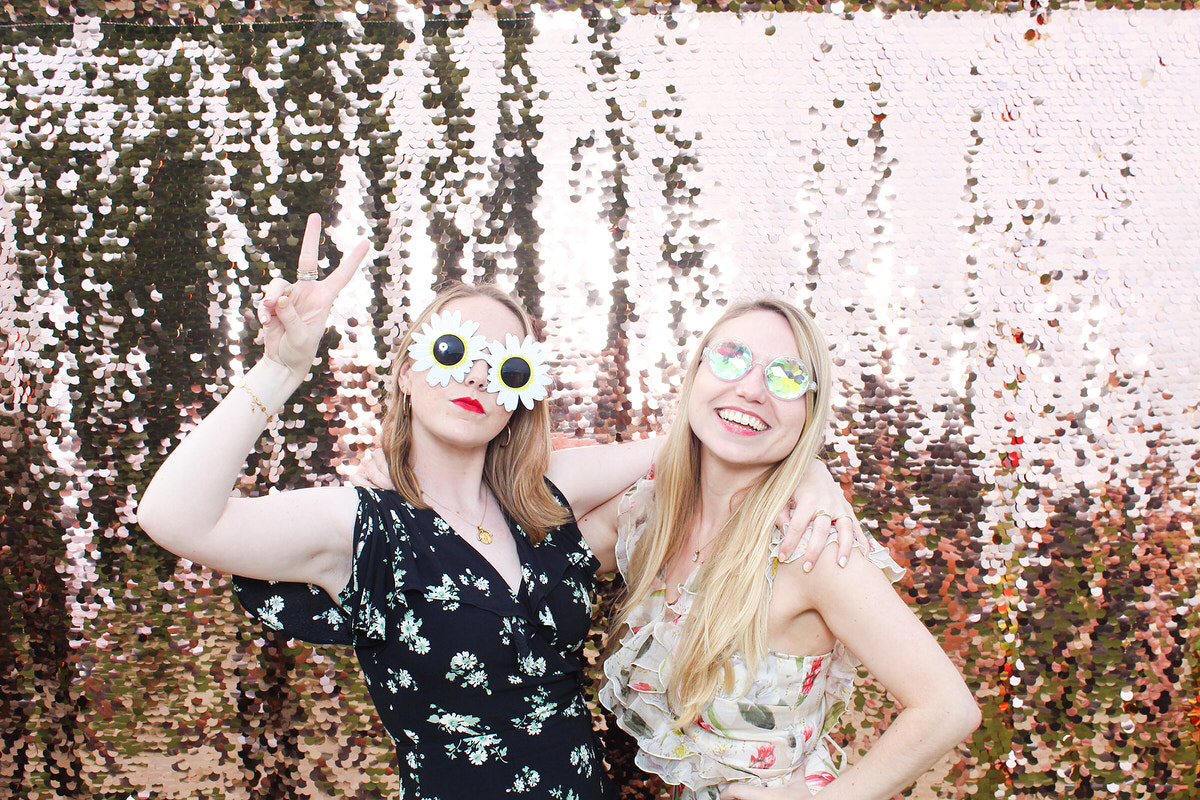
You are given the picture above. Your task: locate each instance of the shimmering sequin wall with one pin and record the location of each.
(993, 217)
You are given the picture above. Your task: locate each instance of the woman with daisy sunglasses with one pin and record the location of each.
(729, 662)
(467, 591)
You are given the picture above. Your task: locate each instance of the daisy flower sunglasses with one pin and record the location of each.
(787, 378)
(447, 346)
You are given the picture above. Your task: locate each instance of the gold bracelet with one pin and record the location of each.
(241, 384)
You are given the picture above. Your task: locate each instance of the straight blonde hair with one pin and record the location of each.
(515, 465)
(733, 592)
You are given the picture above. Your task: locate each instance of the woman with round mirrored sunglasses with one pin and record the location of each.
(728, 661)
(785, 377)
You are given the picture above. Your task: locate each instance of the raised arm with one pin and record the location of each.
(592, 478)
(293, 536)
(592, 474)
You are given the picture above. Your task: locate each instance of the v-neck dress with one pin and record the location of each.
(778, 727)
(480, 687)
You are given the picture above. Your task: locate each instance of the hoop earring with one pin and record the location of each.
(405, 405)
(507, 439)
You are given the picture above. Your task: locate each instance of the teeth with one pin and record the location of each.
(738, 418)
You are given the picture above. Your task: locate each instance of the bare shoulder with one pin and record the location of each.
(859, 582)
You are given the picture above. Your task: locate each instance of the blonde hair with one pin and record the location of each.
(513, 468)
(729, 611)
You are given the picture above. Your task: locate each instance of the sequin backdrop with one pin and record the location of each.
(993, 217)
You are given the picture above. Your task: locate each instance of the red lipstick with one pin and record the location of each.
(468, 403)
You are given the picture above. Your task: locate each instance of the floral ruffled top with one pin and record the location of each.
(780, 726)
(479, 686)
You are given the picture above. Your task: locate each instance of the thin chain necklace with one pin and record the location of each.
(481, 533)
(696, 553)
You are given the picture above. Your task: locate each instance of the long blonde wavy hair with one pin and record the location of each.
(729, 612)
(513, 468)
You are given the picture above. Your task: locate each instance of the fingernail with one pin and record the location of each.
(842, 561)
(808, 566)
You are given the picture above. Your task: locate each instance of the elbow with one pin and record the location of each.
(147, 520)
(153, 521)
(965, 716)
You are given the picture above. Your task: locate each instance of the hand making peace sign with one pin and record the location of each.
(294, 315)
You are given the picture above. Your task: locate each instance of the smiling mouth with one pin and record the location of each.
(469, 403)
(742, 419)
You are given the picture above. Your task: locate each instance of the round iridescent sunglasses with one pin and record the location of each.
(787, 378)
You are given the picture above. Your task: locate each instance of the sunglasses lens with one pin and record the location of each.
(515, 372)
(449, 350)
(788, 378)
(729, 360)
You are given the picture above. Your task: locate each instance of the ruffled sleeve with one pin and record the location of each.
(301, 611)
(633, 515)
(383, 567)
(379, 575)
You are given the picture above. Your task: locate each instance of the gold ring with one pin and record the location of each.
(306, 274)
(823, 513)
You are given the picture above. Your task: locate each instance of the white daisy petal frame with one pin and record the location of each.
(439, 325)
(539, 374)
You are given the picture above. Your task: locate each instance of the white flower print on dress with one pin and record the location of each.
(447, 593)
(525, 781)
(427, 667)
(464, 669)
(269, 612)
(469, 578)
(413, 757)
(330, 617)
(532, 666)
(410, 629)
(478, 749)
(543, 709)
(582, 757)
(398, 679)
(376, 623)
(455, 723)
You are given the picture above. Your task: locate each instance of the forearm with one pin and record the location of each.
(913, 743)
(592, 475)
(189, 492)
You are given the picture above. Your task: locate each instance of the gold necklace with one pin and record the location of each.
(481, 533)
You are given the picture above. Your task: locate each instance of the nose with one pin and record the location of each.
(477, 375)
(753, 385)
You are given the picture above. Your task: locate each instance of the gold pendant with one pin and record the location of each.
(483, 534)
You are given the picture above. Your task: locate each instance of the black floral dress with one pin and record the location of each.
(480, 688)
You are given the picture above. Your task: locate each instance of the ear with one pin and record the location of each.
(404, 376)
